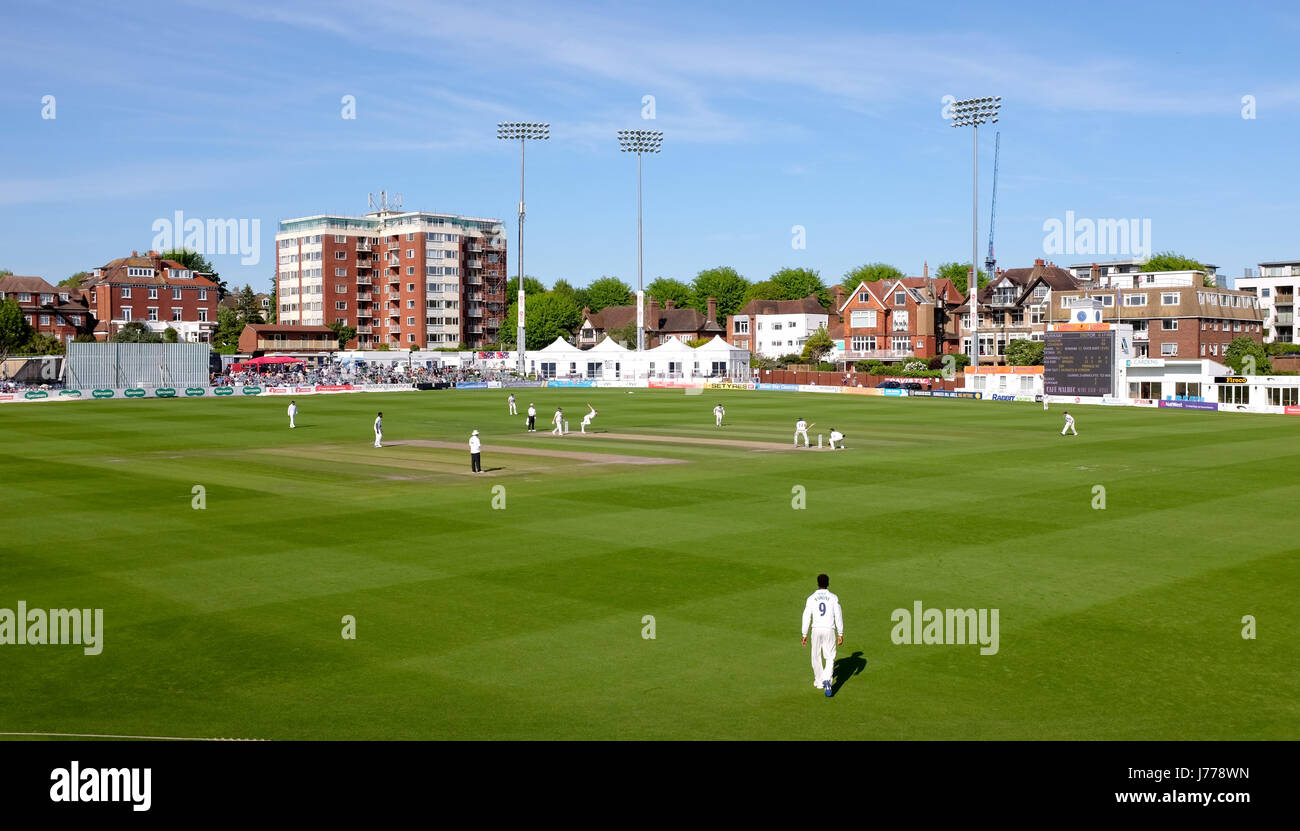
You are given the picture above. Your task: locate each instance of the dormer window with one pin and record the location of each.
(900, 298)
(134, 271)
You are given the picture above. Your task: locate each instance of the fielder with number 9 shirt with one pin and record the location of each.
(822, 613)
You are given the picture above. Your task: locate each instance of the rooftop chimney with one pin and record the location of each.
(586, 312)
(712, 312)
(671, 304)
(652, 313)
(925, 270)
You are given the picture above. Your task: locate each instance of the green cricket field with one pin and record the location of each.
(646, 581)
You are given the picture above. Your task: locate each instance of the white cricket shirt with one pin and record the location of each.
(822, 611)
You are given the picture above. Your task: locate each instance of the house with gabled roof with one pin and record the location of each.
(890, 320)
(1014, 306)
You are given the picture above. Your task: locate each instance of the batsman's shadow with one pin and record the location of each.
(846, 668)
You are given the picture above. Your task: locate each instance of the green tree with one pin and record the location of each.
(548, 317)
(1025, 353)
(624, 335)
(74, 282)
(229, 326)
(959, 273)
(869, 273)
(275, 302)
(246, 305)
(195, 261)
(136, 332)
(766, 290)
(1172, 261)
(664, 289)
(579, 297)
(723, 283)
(43, 344)
(607, 291)
(343, 332)
(15, 331)
(170, 335)
(1242, 352)
(796, 283)
(531, 286)
(817, 345)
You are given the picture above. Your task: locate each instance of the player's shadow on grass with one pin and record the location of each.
(846, 668)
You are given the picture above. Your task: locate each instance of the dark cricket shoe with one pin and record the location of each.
(826, 685)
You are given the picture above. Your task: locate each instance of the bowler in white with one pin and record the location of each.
(379, 430)
(293, 411)
(718, 413)
(821, 613)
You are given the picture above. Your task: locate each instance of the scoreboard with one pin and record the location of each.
(1079, 363)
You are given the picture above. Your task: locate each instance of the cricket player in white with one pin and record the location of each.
(822, 613)
(293, 411)
(589, 416)
(511, 400)
(801, 429)
(1069, 425)
(718, 413)
(837, 436)
(1044, 401)
(379, 430)
(559, 422)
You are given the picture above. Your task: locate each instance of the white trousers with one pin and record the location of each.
(379, 437)
(823, 646)
(1069, 428)
(585, 422)
(717, 420)
(513, 411)
(559, 429)
(797, 434)
(291, 424)
(841, 441)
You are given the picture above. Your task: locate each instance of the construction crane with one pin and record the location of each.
(991, 262)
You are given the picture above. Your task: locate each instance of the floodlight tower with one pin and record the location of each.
(522, 130)
(639, 142)
(972, 112)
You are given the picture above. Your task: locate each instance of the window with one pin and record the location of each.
(340, 305)
(410, 286)
(176, 313)
(861, 343)
(410, 252)
(153, 312)
(139, 272)
(340, 255)
(1135, 300)
(1187, 389)
(45, 320)
(863, 319)
(410, 238)
(900, 298)
(1036, 315)
(1264, 292)
(126, 312)
(1169, 325)
(1107, 300)
(25, 297)
(410, 304)
(203, 294)
(126, 292)
(410, 321)
(864, 297)
(741, 326)
(900, 321)
(203, 315)
(1234, 394)
(1168, 349)
(340, 272)
(1169, 298)
(1283, 396)
(410, 271)
(902, 344)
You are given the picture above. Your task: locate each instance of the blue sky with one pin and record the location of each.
(822, 115)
